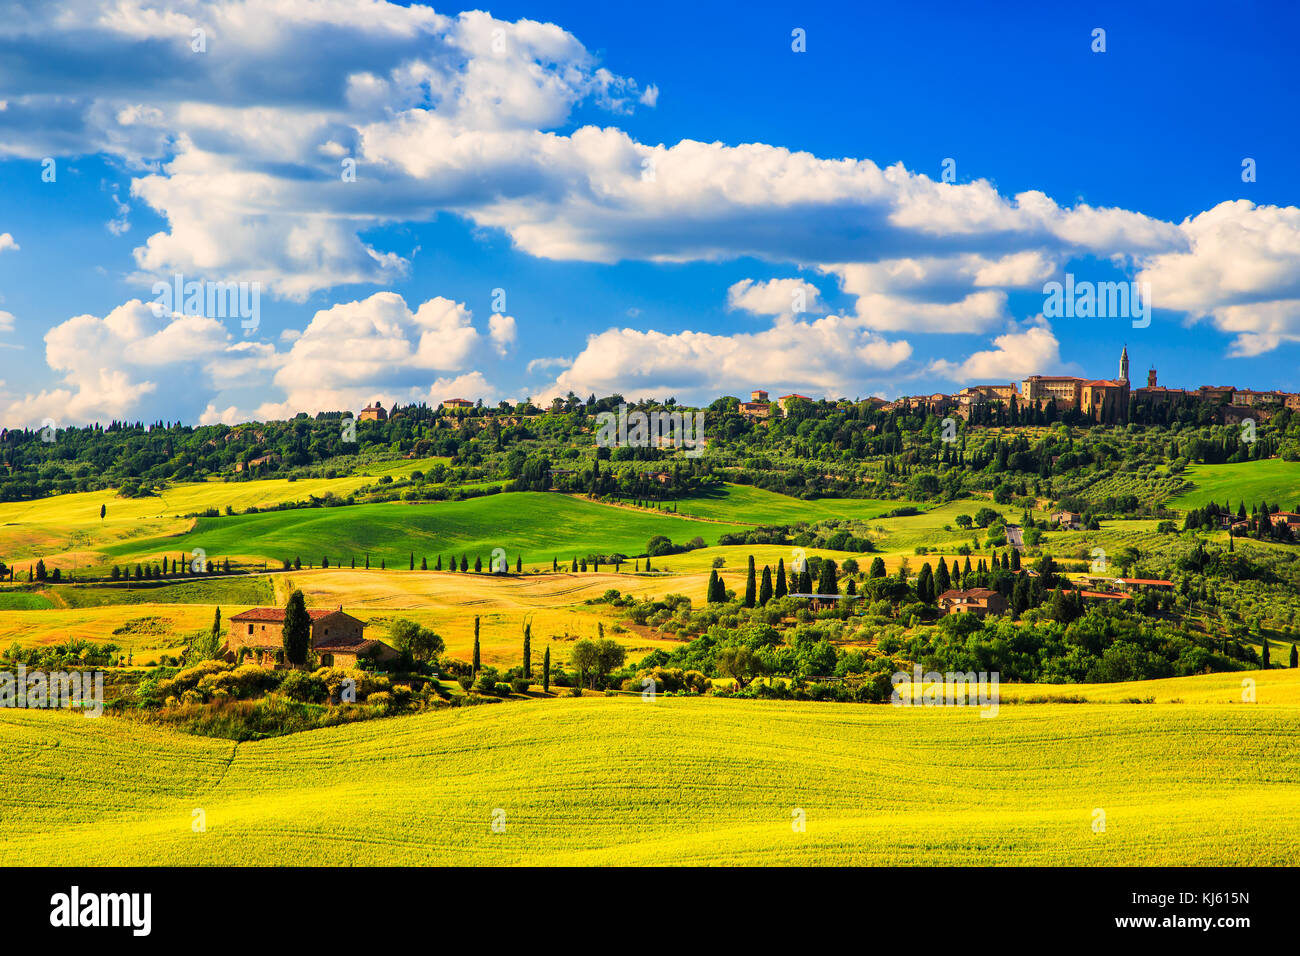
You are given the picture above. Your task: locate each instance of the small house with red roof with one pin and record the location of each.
(337, 639)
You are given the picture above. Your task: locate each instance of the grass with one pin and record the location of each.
(1271, 480)
(251, 590)
(745, 504)
(23, 601)
(70, 526)
(534, 525)
(680, 781)
(116, 624)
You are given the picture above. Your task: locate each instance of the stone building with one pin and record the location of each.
(257, 636)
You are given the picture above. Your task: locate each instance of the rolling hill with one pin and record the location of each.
(676, 781)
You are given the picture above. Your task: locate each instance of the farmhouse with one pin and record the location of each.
(978, 601)
(1068, 519)
(1152, 584)
(450, 403)
(374, 413)
(336, 638)
(758, 406)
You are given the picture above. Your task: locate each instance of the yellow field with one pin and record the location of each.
(677, 781)
(68, 526)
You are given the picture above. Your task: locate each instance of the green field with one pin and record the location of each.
(678, 781)
(742, 503)
(536, 525)
(1272, 480)
(253, 589)
(23, 601)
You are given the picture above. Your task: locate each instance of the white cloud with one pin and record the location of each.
(1241, 269)
(1014, 356)
(6, 321)
(109, 365)
(132, 363)
(7, 242)
(775, 297)
(501, 329)
(831, 356)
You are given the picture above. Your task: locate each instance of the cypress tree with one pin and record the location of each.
(779, 589)
(296, 631)
(528, 650)
(826, 582)
(546, 670)
(941, 580)
(1295, 656)
(424, 564)
(519, 564)
(1267, 665)
(712, 592)
(751, 584)
(476, 654)
(412, 567)
(765, 588)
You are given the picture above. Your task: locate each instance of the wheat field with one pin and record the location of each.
(676, 781)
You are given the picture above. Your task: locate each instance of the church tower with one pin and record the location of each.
(1123, 365)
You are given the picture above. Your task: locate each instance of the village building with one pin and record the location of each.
(978, 601)
(784, 402)
(257, 636)
(258, 462)
(453, 403)
(758, 407)
(1144, 584)
(374, 413)
(1216, 394)
(1070, 520)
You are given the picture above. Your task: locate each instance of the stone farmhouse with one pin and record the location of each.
(255, 636)
(978, 601)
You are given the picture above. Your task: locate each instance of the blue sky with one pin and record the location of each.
(511, 152)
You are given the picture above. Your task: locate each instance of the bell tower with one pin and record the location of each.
(1123, 365)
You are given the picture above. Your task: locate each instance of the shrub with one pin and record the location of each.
(305, 688)
(520, 685)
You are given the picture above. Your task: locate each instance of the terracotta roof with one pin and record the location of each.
(972, 593)
(276, 614)
(348, 641)
(1104, 594)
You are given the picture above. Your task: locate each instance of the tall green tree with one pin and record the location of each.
(765, 588)
(528, 649)
(296, 632)
(546, 670)
(476, 652)
(751, 584)
(826, 578)
(1295, 656)
(779, 590)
